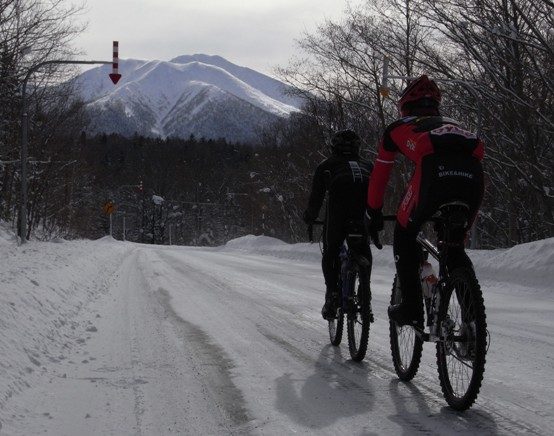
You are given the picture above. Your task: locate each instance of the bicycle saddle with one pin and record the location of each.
(455, 214)
(354, 232)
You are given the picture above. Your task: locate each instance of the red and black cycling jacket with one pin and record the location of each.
(415, 138)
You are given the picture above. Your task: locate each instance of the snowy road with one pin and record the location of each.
(181, 340)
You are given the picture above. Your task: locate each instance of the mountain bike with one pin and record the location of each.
(354, 301)
(454, 313)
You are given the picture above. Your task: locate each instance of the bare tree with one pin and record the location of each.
(508, 51)
(341, 71)
(496, 65)
(31, 32)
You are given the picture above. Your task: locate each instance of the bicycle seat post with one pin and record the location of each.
(435, 304)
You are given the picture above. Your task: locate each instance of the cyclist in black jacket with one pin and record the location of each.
(345, 177)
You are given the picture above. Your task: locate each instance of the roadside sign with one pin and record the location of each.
(108, 207)
(114, 75)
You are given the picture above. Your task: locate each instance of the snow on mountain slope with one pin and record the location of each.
(151, 98)
(269, 86)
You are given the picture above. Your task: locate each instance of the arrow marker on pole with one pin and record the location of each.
(115, 76)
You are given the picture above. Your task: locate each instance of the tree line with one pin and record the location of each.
(190, 192)
(494, 59)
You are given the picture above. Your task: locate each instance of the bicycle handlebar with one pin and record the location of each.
(434, 219)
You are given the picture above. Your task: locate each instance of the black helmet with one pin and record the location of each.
(345, 142)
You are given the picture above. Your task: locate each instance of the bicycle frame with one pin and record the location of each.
(348, 256)
(432, 308)
(353, 297)
(440, 255)
(456, 317)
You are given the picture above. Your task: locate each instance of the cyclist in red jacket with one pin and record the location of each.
(448, 167)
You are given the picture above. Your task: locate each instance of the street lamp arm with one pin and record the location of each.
(38, 66)
(24, 136)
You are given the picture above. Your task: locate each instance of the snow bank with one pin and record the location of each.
(529, 263)
(304, 251)
(43, 288)
(265, 245)
(534, 257)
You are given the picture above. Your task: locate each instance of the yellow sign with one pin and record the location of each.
(108, 207)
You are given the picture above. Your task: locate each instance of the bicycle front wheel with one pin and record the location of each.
(406, 346)
(336, 326)
(358, 312)
(461, 354)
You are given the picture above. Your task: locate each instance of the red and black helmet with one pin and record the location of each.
(421, 93)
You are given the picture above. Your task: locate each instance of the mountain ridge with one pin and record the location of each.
(201, 95)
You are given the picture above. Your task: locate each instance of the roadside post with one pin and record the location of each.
(114, 76)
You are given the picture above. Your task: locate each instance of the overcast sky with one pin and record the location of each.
(259, 34)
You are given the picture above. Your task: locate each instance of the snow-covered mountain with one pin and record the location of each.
(200, 95)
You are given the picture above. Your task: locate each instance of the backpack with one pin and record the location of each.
(351, 174)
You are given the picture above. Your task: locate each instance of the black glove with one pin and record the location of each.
(308, 217)
(373, 220)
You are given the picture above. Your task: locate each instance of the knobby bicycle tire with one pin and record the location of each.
(461, 355)
(406, 346)
(358, 311)
(336, 324)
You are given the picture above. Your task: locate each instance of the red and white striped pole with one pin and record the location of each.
(115, 76)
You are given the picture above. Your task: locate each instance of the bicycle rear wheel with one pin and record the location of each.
(406, 346)
(461, 355)
(358, 312)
